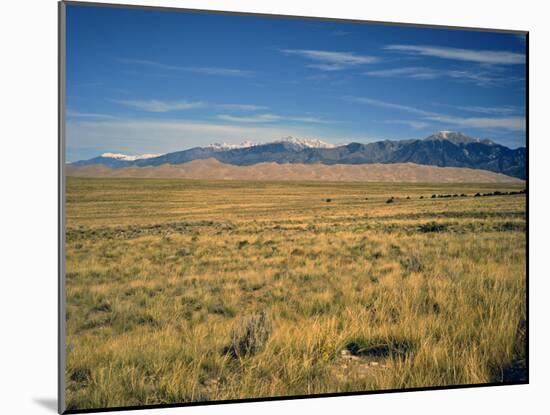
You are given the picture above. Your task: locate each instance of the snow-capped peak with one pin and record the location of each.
(445, 133)
(456, 137)
(305, 142)
(229, 146)
(126, 157)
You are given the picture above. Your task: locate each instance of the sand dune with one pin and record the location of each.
(213, 169)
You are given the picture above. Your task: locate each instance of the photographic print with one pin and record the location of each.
(260, 207)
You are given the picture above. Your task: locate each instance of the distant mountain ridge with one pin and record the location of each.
(443, 149)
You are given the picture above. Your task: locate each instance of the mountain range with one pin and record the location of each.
(442, 149)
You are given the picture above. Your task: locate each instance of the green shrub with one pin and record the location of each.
(432, 227)
(380, 347)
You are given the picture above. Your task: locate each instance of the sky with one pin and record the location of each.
(150, 81)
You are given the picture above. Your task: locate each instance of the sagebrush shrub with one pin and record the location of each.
(251, 335)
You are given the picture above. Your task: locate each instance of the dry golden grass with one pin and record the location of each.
(361, 294)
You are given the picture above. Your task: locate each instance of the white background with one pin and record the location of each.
(28, 204)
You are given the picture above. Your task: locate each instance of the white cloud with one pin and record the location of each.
(242, 107)
(150, 64)
(157, 105)
(480, 78)
(416, 125)
(154, 105)
(207, 70)
(406, 72)
(264, 118)
(389, 105)
(330, 60)
(252, 119)
(506, 123)
(314, 120)
(469, 55)
(486, 109)
(76, 114)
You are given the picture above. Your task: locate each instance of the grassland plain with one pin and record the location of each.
(354, 287)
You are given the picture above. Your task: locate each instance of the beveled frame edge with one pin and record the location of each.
(61, 341)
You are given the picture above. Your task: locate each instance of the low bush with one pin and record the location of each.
(432, 227)
(380, 347)
(250, 336)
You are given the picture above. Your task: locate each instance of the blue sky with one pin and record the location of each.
(149, 81)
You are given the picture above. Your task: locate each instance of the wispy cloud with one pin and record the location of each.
(76, 114)
(207, 70)
(508, 123)
(388, 105)
(485, 109)
(331, 60)
(478, 78)
(482, 78)
(267, 118)
(415, 125)
(406, 72)
(242, 107)
(513, 123)
(151, 64)
(154, 105)
(157, 105)
(260, 118)
(469, 55)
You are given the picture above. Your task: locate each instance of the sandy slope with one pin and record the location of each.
(213, 169)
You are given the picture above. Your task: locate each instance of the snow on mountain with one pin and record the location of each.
(444, 134)
(126, 157)
(229, 146)
(456, 138)
(296, 142)
(305, 143)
